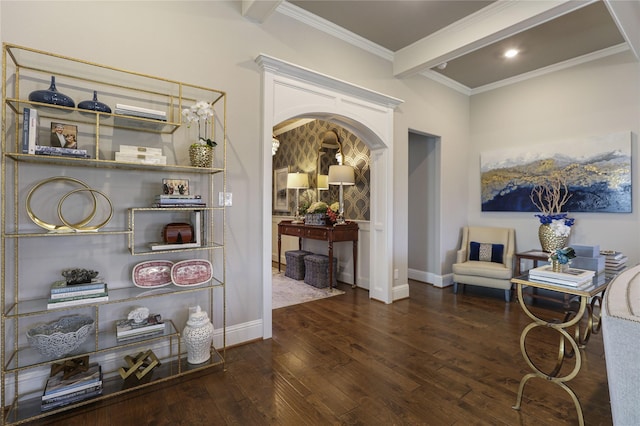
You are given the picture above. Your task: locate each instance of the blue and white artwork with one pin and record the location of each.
(597, 171)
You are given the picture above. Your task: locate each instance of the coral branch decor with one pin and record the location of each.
(550, 197)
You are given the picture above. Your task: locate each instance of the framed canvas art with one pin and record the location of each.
(597, 171)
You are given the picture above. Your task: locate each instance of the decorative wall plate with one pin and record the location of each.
(190, 273)
(152, 274)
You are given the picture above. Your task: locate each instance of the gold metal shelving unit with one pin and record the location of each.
(24, 70)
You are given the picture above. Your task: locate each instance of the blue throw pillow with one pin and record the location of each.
(486, 252)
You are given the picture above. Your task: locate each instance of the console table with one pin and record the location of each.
(329, 233)
(590, 301)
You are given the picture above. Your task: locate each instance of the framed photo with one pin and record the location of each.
(280, 193)
(63, 135)
(175, 186)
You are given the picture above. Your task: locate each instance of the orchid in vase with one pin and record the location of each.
(201, 112)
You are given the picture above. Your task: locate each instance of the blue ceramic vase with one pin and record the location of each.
(51, 96)
(94, 105)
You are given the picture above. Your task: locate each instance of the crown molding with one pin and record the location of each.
(334, 30)
(446, 81)
(553, 68)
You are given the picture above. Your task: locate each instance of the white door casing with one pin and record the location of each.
(291, 91)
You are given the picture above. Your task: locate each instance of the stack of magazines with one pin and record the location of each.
(64, 295)
(572, 277)
(134, 111)
(175, 200)
(60, 391)
(61, 152)
(128, 329)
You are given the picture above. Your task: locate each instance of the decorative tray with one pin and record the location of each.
(152, 274)
(190, 273)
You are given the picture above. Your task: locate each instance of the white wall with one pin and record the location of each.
(211, 44)
(593, 99)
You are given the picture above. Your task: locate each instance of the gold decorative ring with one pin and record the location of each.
(51, 226)
(85, 228)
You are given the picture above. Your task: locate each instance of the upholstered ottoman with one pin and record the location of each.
(295, 263)
(316, 270)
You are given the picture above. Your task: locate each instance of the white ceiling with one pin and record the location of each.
(470, 36)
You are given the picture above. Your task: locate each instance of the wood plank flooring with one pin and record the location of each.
(434, 359)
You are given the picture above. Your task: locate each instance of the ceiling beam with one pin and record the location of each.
(259, 10)
(626, 15)
(493, 23)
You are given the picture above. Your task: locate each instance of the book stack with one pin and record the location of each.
(175, 200)
(30, 123)
(614, 261)
(140, 155)
(61, 152)
(59, 391)
(127, 329)
(64, 295)
(134, 111)
(572, 277)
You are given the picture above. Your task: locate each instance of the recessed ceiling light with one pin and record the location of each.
(511, 53)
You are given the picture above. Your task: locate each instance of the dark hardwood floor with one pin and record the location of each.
(434, 359)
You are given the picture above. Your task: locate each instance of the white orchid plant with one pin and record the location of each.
(201, 112)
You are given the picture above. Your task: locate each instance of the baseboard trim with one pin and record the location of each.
(439, 281)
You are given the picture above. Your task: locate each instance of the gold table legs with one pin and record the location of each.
(576, 341)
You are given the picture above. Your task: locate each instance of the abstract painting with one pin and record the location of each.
(597, 171)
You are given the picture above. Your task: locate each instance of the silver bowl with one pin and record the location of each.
(58, 338)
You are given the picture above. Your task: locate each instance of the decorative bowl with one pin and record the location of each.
(58, 338)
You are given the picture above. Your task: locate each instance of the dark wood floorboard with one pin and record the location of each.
(434, 359)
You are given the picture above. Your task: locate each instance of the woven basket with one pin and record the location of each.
(316, 268)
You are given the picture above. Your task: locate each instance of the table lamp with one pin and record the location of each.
(341, 175)
(297, 181)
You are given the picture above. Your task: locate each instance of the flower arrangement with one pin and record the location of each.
(550, 197)
(321, 207)
(563, 255)
(201, 113)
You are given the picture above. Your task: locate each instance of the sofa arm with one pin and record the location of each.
(461, 256)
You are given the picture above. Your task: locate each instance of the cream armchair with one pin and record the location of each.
(485, 258)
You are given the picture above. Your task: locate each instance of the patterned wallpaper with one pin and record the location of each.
(299, 151)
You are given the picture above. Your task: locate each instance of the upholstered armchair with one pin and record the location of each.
(485, 258)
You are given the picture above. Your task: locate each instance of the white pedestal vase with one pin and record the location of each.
(198, 335)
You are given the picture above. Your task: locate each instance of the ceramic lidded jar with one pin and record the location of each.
(198, 336)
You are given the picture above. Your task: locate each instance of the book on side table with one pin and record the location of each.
(571, 276)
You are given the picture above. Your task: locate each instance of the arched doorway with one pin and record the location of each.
(291, 91)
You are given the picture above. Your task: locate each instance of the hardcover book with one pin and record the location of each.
(57, 386)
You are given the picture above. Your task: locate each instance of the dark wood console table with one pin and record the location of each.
(329, 233)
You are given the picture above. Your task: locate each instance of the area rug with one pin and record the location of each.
(287, 291)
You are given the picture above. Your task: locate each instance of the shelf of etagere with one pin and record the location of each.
(27, 357)
(27, 408)
(41, 234)
(119, 295)
(107, 164)
(91, 117)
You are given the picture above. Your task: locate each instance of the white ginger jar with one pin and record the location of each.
(198, 335)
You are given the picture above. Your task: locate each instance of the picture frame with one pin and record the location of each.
(280, 192)
(175, 186)
(63, 135)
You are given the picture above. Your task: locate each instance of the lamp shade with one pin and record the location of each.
(323, 182)
(297, 181)
(341, 174)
